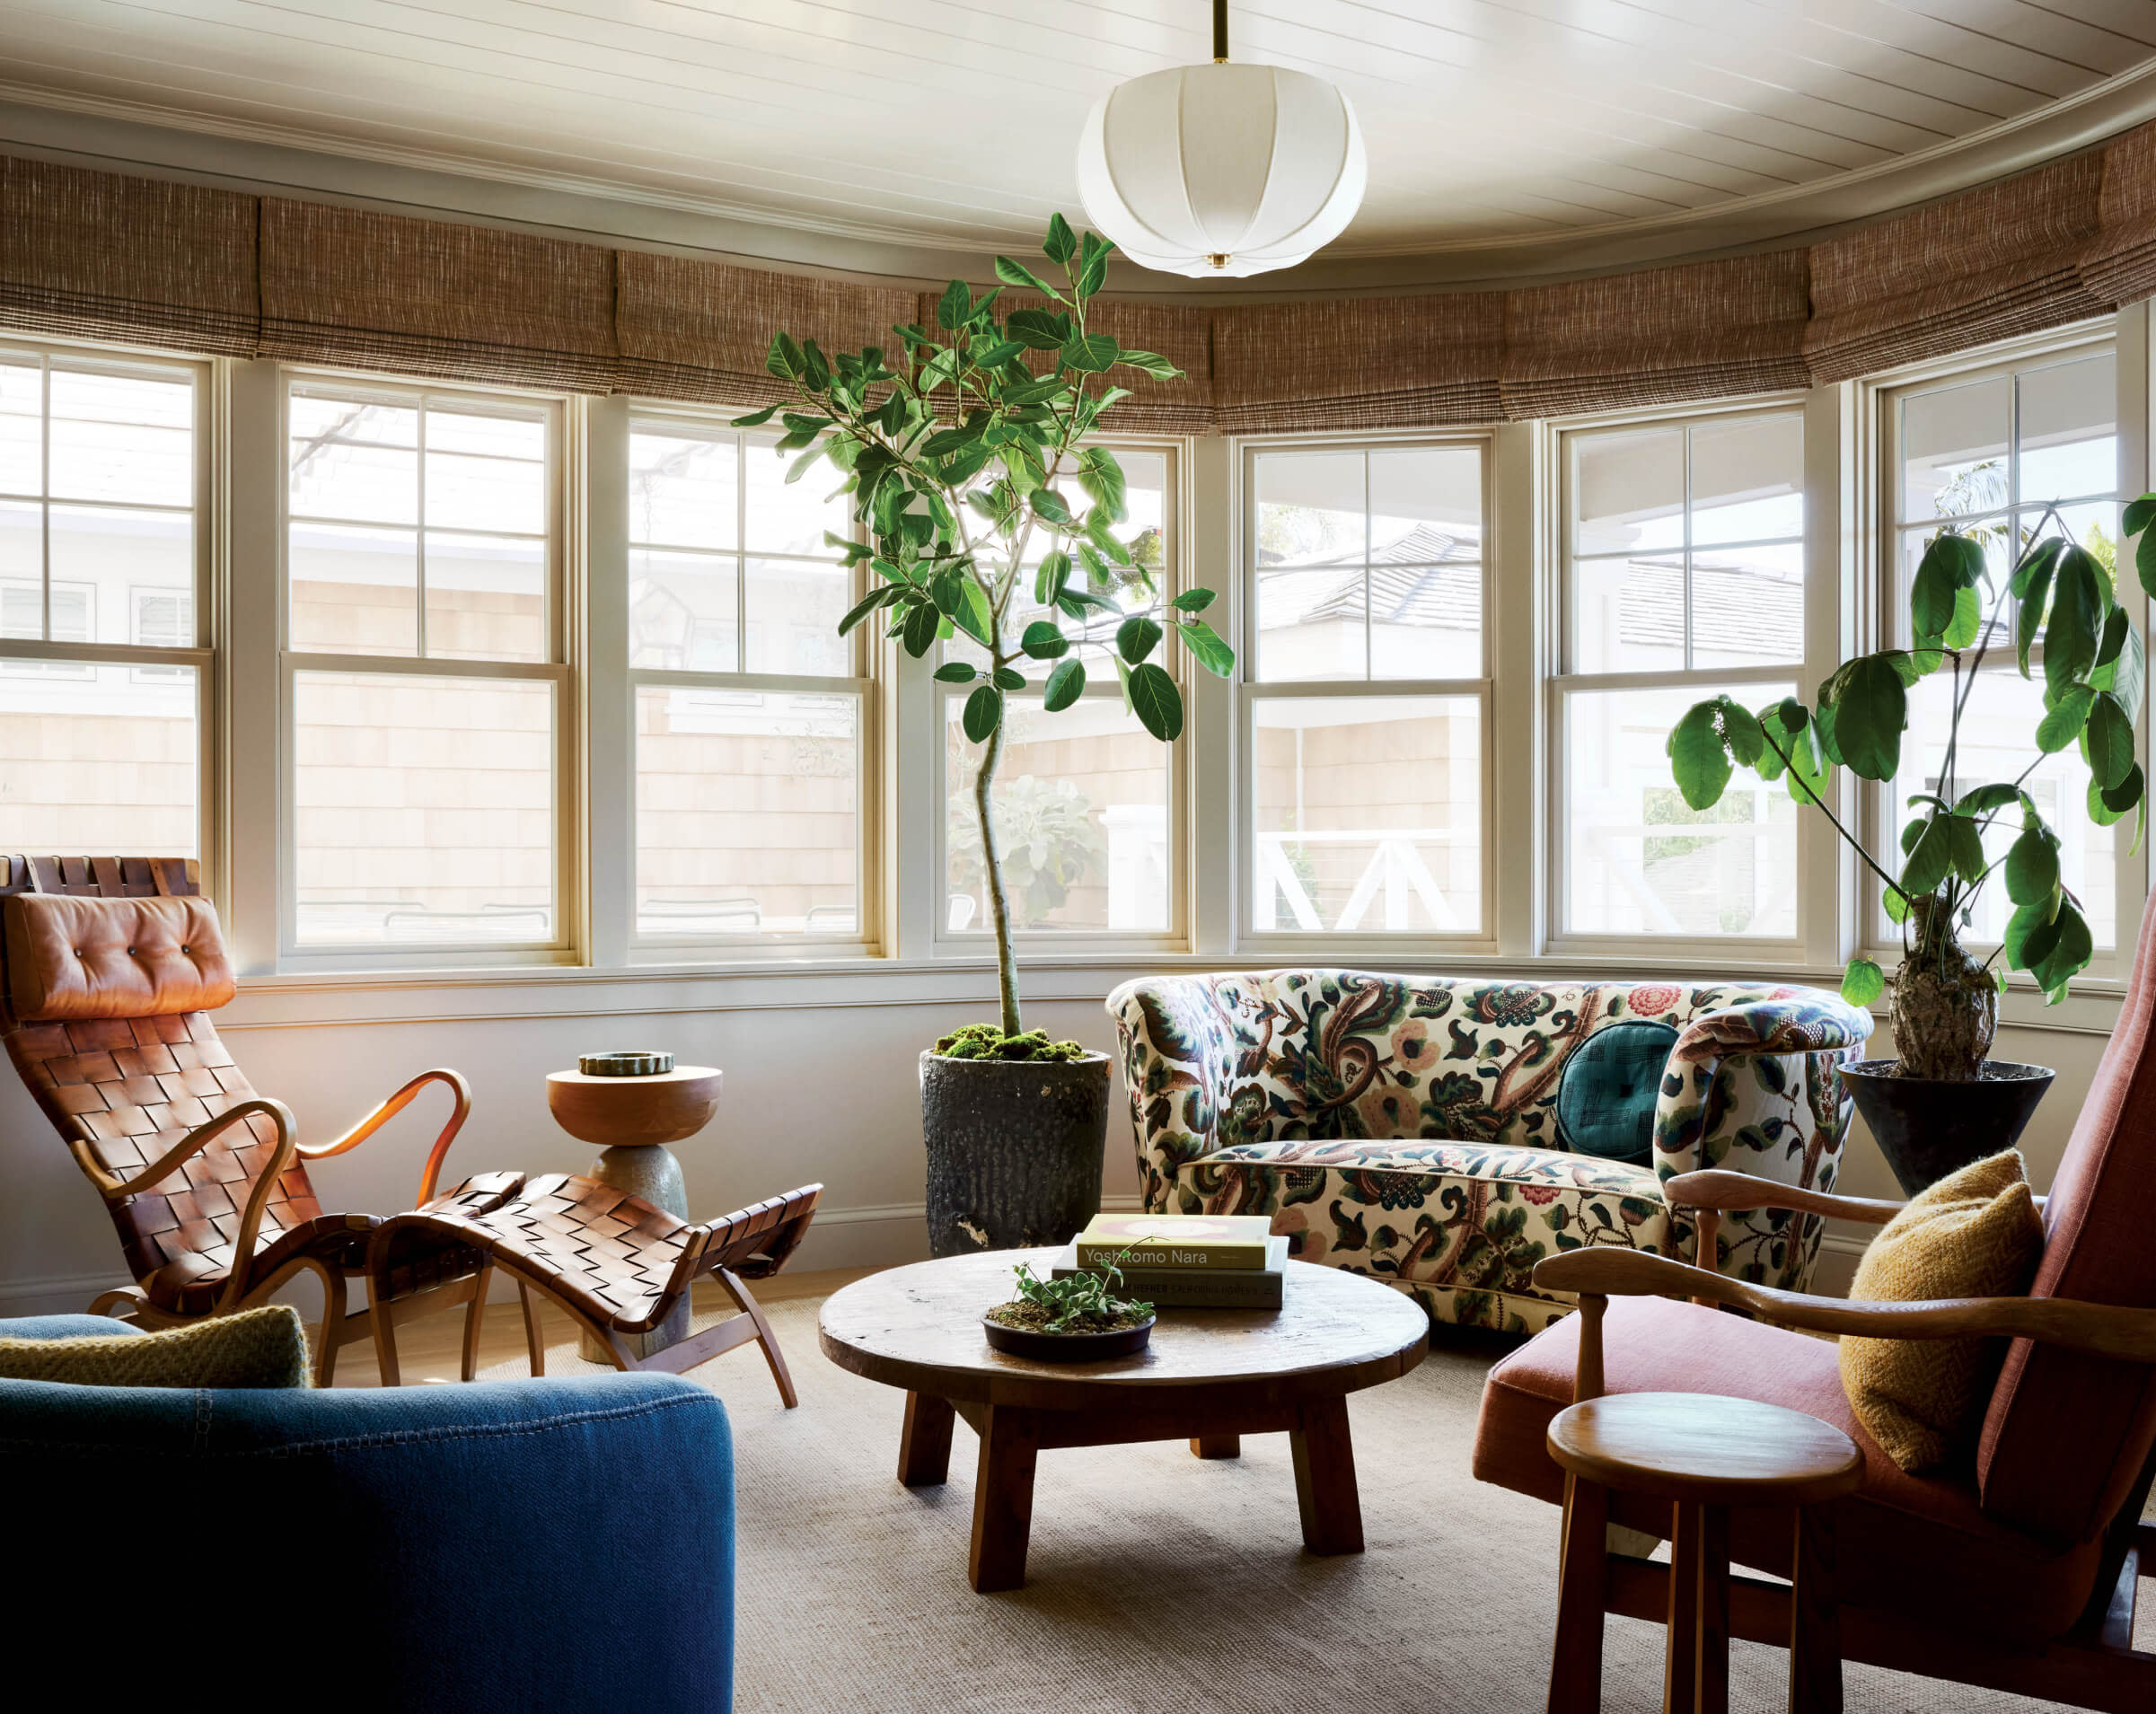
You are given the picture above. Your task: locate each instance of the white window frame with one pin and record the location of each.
(1327, 945)
(862, 686)
(1814, 932)
(2126, 336)
(58, 658)
(558, 670)
(978, 940)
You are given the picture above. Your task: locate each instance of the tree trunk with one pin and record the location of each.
(991, 863)
(1946, 1004)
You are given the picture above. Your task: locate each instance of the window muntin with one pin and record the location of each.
(752, 714)
(1086, 798)
(1684, 578)
(1365, 731)
(1989, 451)
(426, 702)
(102, 470)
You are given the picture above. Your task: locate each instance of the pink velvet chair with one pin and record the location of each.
(2015, 1569)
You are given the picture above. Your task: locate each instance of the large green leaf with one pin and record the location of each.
(1194, 600)
(955, 673)
(1136, 638)
(1863, 982)
(921, 626)
(1151, 363)
(755, 418)
(2063, 722)
(2079, 604)
(1979, 799)
(2108, 742)
(1207, 647)
(2032, 867)
(1698, 757)
(2031, 587)
(1869, 716)
(860, 610)
(954, 306)
(1156, 701)
(1041, 330)
(1061, 244)
(1741, 731)
(1048, 581)
(1931, 859)
(1965, 842)
(1091, 355)
(1017, 274)
(1967, 623)
(1049, 506)
(1063, 686)
(2031, 932)
(2122, 667)
(1043, 641)
(2107, 803)
(983, 713)
(1950, 564)
(2070, 952)
(1093, 264)
(1101, 476)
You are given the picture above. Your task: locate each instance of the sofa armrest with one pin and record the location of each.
(1755, 1088)
(1178, 1065)
(549, 1544)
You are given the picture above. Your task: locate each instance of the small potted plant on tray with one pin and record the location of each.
(976, 483)
(1942, 1101)
(1076, 1320)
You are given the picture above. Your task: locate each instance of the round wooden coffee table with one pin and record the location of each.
(1210, 1376)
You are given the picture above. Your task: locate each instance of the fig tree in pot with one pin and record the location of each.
(975, 479)
(1942, 1101)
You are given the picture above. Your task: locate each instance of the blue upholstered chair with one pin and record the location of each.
(528, 1545)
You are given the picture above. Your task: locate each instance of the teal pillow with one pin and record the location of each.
(1605, 1095)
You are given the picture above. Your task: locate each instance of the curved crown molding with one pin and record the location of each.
(169, 143)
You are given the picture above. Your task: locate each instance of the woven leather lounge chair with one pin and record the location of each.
(614, 1264)
(112, 968)
(2016, 1567)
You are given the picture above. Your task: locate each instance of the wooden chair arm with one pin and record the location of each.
(460, 1110)
(192, 1144)
(2102, 1329)
(1721, 1192)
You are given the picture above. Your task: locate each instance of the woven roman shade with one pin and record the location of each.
(100, 256)
(1987, 265)
(1358, 363)
(429, 298)
(1699, 331)
(2120, 266)
(699, 330)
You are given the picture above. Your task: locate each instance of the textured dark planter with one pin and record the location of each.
(1927, 1128)
(1069, 1348)
(1015, 1150)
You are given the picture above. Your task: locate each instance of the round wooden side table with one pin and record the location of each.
(633, 1119)
(1702, 1454)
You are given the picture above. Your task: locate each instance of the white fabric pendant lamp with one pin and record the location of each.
(1221, 170)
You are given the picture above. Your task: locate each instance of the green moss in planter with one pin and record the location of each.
(986, 1042)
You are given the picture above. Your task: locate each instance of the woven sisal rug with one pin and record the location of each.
(1159, 1584)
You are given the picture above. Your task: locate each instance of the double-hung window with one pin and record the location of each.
(426, 694)
(1085, 798)
(1367, 688)
(1684, 577)
(2002, 453)
(752, 714)
(103, 493)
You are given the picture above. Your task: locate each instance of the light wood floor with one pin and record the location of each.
(428, 1349)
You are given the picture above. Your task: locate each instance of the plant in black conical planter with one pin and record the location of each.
(967, 452)
(1942, 1102)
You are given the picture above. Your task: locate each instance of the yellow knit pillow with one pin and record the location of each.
(256, 1348)
(1974, 1234)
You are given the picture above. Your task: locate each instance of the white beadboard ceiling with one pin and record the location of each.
(1503, 128)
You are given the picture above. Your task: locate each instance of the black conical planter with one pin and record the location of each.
(1927, 1127)
(1015, 1149)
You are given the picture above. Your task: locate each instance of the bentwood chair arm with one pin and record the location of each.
(1719, 1192)
(460, 1110)
(1596, 1276)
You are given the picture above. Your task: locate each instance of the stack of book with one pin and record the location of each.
(1184, 1261)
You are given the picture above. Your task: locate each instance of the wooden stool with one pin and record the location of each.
(1702, 1455)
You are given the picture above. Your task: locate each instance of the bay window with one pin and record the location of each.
(1682, 556)
(103, 491)
(751, 713)
(1366, 688)
(425, 691)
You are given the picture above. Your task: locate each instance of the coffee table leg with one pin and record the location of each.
(1814, 1650)
(1010, 1446)
(924, 1444)
(1216, 1446)
(1324, 1478)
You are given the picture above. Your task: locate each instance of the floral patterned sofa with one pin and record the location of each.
(1406, 1127)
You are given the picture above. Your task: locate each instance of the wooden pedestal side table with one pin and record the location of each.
(633, 1118)
(1210, 1376)
(1702, 1454)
